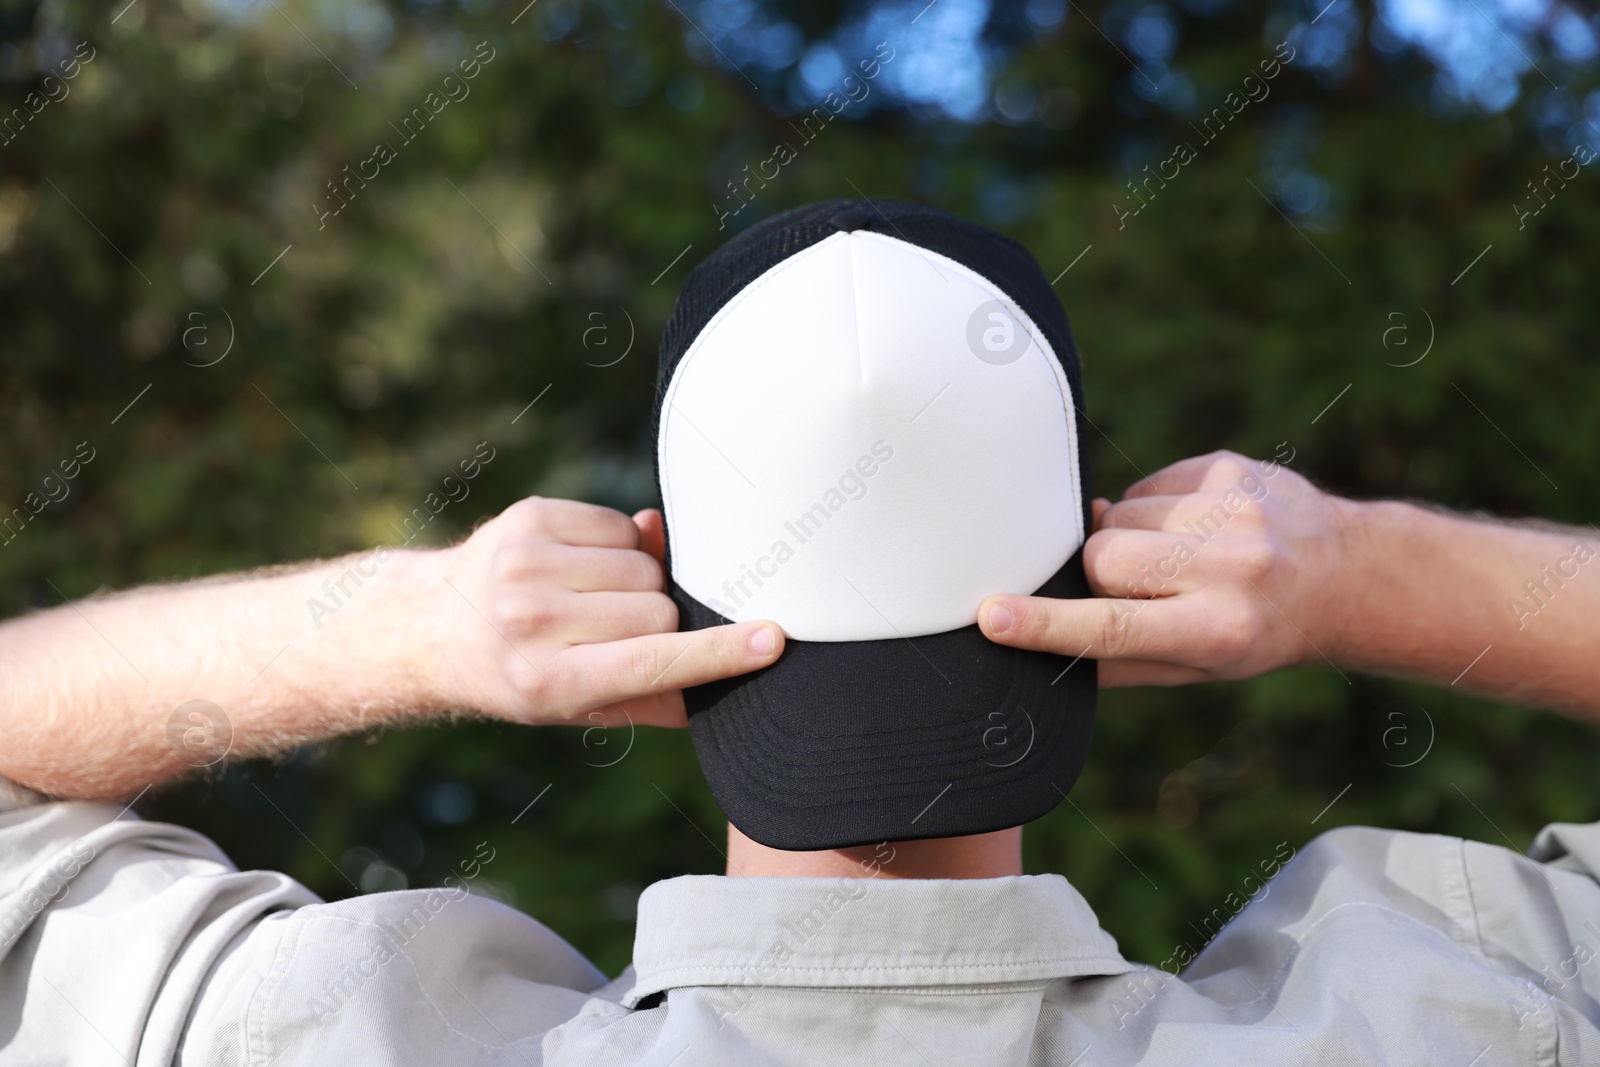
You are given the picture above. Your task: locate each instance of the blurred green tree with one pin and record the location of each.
(278, 312)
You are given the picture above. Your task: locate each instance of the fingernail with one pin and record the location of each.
(761, 641)
(1000, 618)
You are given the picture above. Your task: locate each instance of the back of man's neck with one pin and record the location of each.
(994, 855)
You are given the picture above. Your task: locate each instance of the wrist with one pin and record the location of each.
(431, 666)
(398, 632)
(1344, 604)
(1388, 551)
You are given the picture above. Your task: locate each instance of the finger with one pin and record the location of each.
(1194, 473)
(590, 618)
(619, 671)
(573, 522)
(1143, 512)
(657, 709)
(1201, 514)
(1173, 629)
(652, 533)
(589, 570)
(1120, 673)
(1138, 563)
(1098, 509)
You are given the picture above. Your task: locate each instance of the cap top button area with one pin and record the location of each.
(851, 218)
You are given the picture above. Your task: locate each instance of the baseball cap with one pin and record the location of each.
(869, 418)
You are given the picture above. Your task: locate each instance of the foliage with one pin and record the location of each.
(517, 244)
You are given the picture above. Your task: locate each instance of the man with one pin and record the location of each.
(131, 942)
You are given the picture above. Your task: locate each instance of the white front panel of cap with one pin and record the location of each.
(836, 456)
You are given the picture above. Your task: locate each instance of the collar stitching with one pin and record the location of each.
(951, 966)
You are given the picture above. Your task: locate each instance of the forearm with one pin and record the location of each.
(551, 612)
(1222, 567)
(1508, 611)
(90, 691)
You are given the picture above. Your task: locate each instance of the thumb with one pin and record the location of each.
(1097, 628)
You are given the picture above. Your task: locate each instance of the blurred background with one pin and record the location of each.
(277, 339)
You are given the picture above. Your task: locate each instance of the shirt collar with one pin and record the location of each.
(859, 932)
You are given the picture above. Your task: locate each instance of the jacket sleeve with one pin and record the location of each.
(109, 928)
